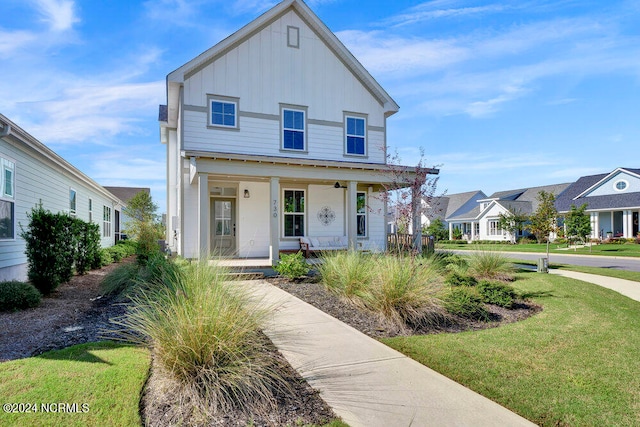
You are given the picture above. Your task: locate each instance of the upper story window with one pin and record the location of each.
(72, 201)
(7, 199)
(355, 134)
(620, 185)
(223, 112)
(293, 129)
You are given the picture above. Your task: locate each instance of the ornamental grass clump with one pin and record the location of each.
(347, 273)
(206, 338)
(404, 291)
(490, 265)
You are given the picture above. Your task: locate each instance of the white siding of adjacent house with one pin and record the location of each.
(493, 213)
(39, 181)
(264, 72)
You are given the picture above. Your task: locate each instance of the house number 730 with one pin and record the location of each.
(275, 208)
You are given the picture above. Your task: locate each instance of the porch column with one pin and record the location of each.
(473, 231)
(204, 216)
(595, 225)
(625, 223)
(352, 223)
(613, 230)
(450, 231)
(274, 223)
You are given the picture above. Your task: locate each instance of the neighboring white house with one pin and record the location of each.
(31, 173)
(276, 132)
(613, 202)
(124, 194)
(482, 222)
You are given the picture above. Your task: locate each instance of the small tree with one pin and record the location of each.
(437, 229)
(140, 210)
(411, 187)
(544, 220)
(512, 222)
(578, 222)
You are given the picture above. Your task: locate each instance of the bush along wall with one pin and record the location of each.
(55, 243)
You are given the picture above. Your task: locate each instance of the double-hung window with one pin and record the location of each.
(106, 221)
(72, 201)
(294, 213)
(355, 134)
(494, 228)
(90, 210)
(361, 214)
(223, 112)
(7, 199)
(293, 129)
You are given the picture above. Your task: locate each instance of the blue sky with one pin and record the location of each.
(500, 94)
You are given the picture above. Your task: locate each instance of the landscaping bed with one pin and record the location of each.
(77, 313)
(313, 292)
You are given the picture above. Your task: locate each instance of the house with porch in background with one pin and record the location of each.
(482, 221)
(612, 199)
(273, 134)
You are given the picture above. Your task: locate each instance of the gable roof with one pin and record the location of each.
(456, 204)
(126, 193)
(606, 177)
(177, 77)
(573, 195)
(14, 134)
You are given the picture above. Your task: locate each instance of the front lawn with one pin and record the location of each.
(608, 249)
(104, 380)
(575, 363)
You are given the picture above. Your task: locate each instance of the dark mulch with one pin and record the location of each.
(312, 292)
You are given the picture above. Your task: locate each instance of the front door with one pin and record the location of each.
(635, 224)
(223, 227)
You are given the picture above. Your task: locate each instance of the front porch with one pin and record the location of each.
(615, 223)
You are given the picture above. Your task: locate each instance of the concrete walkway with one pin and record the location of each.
(627, 288)
(365, 382)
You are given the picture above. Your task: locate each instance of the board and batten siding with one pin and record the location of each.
(39, 181)
(263, 72)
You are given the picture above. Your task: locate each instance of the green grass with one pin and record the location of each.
(106, 376)
(576, 363)
(622, 250)
(609, 272)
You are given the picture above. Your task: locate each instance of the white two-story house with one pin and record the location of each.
(276, 132)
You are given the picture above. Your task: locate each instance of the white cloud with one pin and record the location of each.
(59, 14)
(439, 9)
(15, 41)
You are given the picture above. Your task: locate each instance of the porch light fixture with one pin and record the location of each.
(246, 193)
(337, 185)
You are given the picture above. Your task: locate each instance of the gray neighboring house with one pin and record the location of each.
(482, 222)
(613, 202)
(31, 173)
(125, 194)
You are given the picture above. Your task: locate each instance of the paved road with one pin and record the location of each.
(618, 263)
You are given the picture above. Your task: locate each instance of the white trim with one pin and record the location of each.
(284, 213)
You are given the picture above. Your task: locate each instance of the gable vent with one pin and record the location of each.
(293, 36)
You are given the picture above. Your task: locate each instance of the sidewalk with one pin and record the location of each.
(365, 382)
(627, 288)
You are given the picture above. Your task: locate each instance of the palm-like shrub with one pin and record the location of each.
(205, 335)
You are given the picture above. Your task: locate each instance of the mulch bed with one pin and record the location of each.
(312, 292)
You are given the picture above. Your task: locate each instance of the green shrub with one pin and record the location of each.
(206, 337)
(105, 257)
(456, 279)
(292, 266)
(147, 242)
(129, 247)
(50, 248)
(88, 245)
(490, 265)
(465, 302)
(18, 296)
(497, 293)
(346, 273)
(117, 252)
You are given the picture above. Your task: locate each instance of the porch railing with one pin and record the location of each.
(398, 243)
